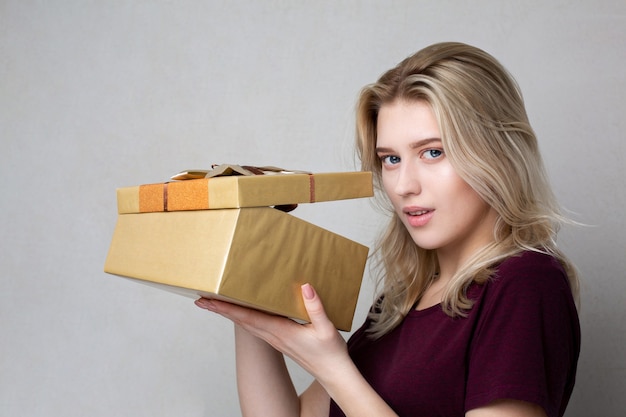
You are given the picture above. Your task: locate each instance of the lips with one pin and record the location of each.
(418, 216)
(417, 213)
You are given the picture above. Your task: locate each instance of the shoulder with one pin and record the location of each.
(525, 285)
(528, 289)
(532, 271)
(530, 261)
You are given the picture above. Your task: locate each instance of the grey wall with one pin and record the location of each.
(98, 95)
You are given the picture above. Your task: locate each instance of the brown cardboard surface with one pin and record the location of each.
(257, 257)
(243, 191)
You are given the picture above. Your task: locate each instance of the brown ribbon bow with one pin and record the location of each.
(247, 170)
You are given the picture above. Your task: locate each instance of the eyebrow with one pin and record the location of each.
(412, 145)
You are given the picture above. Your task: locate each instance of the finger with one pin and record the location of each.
(231, 311)
(205, 303)
(260, 324)
(315, 308)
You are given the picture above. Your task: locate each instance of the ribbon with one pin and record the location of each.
(245, 170)
(231, 169)
(165, 196)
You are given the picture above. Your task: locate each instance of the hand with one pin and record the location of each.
(317, 347)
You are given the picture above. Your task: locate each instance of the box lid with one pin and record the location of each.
(191, 191)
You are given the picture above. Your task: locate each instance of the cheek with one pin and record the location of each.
(387, 183)
(473, 207)
(461, 191)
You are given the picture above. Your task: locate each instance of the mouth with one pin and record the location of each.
(417, 212)
(418, 216)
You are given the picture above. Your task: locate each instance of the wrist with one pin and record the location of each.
(353, 394)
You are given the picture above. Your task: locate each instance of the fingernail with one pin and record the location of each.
(308, 292)
(206, 304)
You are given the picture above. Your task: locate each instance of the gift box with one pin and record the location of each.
(253, 256)
(257, 257)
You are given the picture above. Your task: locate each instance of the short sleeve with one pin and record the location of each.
(527, 339)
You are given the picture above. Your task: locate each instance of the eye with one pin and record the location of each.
(389, 159)
(432, 153)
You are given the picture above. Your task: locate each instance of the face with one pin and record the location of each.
(439, 209)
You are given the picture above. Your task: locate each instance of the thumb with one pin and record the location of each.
(314, 307)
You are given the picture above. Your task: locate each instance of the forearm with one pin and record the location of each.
(265, 387)
(263, 382)
(353, 394)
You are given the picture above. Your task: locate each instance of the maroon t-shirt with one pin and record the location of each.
(520, 340)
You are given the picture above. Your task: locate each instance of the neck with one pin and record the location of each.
(452, 258)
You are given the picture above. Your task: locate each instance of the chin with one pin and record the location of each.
(425, 244)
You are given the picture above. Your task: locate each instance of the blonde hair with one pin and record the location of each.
(489, 141)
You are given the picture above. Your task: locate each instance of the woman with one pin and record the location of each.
(476, 314)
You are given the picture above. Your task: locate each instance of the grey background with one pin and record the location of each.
(96, 95)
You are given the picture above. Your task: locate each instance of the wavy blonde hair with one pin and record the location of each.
(489, 141)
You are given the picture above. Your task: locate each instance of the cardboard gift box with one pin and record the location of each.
(258, 257)
(252, 256)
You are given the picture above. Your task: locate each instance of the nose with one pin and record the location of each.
(407, 180)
